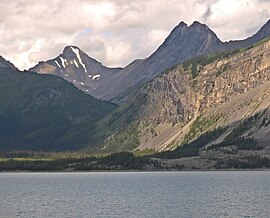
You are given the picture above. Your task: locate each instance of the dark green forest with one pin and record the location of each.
(44, 112)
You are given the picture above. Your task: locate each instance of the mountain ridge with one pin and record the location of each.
(168, 55)
(183, 43)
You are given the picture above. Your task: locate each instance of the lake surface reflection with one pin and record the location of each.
(136, 194)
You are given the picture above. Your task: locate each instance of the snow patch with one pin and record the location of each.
(74, 80)
(77, 52)
(66, 75)
(76, 63)
(63, 62)
(89, 76)
(57, 64)
(87, 90)
(82, 83)
(96, 77)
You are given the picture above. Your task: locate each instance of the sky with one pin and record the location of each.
(115, 32)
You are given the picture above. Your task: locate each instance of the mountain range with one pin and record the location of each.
(116, 84)
(193, 84)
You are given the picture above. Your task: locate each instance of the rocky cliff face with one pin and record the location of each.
(177, 107)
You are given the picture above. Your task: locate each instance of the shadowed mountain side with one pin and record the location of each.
(6, 64)
(43, 112)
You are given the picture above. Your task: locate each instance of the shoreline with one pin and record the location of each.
(142, 171)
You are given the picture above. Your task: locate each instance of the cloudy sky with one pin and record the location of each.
(115, 31)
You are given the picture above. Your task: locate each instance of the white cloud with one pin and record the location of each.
(238, 19)
(115, 31)
(156, 35)
(118, 52)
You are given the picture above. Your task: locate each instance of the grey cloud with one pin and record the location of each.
(207, 13)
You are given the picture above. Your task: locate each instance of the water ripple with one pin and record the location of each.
(135, 194)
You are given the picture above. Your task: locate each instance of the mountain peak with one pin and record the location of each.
(70, 49)
(182, 32)
(197, 24)
(182, 24)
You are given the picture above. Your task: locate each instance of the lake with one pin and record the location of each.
(136, 194)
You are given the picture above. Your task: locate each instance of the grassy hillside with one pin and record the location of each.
(43, 112)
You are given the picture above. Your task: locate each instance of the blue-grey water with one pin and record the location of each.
(135, 194)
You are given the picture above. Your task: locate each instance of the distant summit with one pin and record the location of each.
(182, 24)
(185, 42)
(77, 67)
